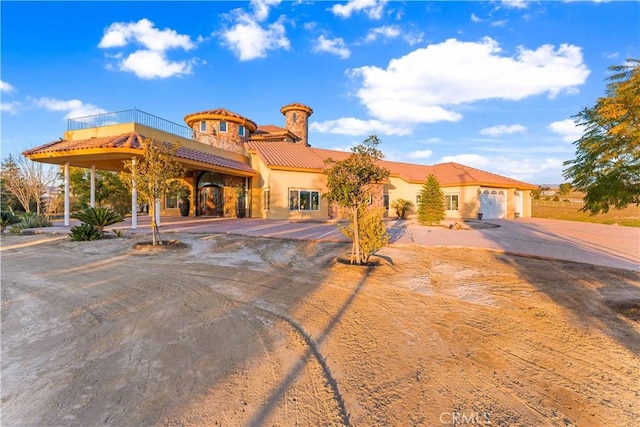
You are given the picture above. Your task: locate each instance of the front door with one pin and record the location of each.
(211, 200)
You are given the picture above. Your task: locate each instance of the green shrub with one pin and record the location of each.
(556, 198)
(33, 220)
(373, 233)
(7, 219)
(98, 217)
(402, 207)
(85, 232)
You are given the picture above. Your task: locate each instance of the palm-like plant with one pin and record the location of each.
(98, 217)
(7, 219)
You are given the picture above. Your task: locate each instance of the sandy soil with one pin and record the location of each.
(237, 331)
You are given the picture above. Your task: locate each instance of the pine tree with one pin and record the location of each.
(431, 203)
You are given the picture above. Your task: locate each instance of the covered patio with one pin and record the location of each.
(96, 146)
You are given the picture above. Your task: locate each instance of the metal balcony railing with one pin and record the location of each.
(130, 116)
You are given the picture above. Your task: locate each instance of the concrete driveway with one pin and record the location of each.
(598, 244)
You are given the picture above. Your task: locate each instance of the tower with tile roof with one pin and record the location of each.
(297, 121)
(221, 128)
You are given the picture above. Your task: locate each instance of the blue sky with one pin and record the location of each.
(488, 84)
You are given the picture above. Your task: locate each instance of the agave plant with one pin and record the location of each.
(33, 220)
(98, 217)
(7, 219)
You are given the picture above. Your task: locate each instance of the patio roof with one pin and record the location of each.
(109, 152)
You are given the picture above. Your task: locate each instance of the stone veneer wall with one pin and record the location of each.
(229, 140)
(299, 127)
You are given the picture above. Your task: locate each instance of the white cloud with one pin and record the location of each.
(502, 130)
(5, 87)
(389, 32)
(516, 4)
(413, 38)
(149, 64)
(143, 32)
(353, 126)
(10, 107)
(425, 85)
(73, 107)
(152, 61)
(473, 160)
(261, 8)
(500, 23)
(335, 46)
(373, 8)
(248, 39)
(567, 128)
(474, 18)
(420, 154)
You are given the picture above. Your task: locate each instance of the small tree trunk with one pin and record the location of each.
(356, 235)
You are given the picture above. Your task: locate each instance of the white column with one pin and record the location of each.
(66, 194)
(156, 212)
(93, 186)
(134, 197)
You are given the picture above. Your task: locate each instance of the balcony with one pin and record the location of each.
(131, 116)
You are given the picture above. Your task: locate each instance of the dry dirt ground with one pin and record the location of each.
(238, 331)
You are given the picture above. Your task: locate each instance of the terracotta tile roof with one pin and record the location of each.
(297, 106)
(287, 155)
(219, 113)
(212, 159)
(270, 129)
(127, 140)
(133, 140)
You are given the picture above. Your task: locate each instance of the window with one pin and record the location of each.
(295, 117)
(223, 126)
(203, 126)
(451, 202)
(304, 200)
(417, 199)
(171, 201)
(266, 199)
(241, 130)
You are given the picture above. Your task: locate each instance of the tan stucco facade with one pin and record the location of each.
(280, 182)
(262, 182)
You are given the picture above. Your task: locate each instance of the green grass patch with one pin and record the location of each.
(545, 209)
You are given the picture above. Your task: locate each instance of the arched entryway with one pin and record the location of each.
(210, 194)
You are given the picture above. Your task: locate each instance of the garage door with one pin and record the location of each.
(493, 204)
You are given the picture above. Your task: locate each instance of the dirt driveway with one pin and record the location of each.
(239, 331)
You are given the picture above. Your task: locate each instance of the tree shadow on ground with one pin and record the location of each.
(599, 297)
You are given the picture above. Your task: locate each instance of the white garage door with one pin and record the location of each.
(493, 204)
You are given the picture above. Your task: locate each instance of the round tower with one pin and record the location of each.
(221, 128)
(297, 121)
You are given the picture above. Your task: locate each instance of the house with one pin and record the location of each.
(238, 168)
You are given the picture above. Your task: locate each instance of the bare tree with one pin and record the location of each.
(28, 181)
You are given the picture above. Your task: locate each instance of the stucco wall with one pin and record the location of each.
(282, 181)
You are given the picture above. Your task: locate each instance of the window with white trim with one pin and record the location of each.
(222, 126)
(304, 200)
(451, 202)
(203, 126)
(266, 199)
(241, 130)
